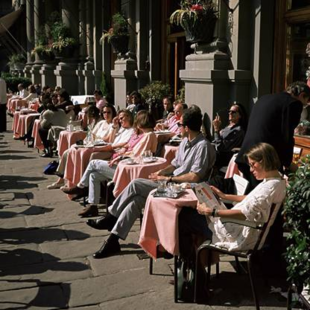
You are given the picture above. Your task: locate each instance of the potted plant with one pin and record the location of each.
(17, 62)
(43, 47)
(297, 214)
(118, 34)
(197, 18)
(63, 43)
(153, 94)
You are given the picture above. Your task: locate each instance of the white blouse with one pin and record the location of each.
(256, 208)
(102, 129)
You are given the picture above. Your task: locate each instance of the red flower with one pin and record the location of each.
(197, 7)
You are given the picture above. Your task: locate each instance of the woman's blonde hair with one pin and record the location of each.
(266, 155)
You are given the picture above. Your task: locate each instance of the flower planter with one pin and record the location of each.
(45, 56)
(200, 30)
(120, 44)
(66, 52)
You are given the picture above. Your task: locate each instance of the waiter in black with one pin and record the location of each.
(273, 120)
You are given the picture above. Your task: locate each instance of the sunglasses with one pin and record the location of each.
(180, 124)
(252, 164)
(232, 112)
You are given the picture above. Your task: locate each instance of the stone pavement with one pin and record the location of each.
(46, 253)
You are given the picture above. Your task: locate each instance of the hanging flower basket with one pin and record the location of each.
(120, 44)
(197, 18)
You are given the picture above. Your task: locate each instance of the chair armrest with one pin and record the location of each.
(255, 225)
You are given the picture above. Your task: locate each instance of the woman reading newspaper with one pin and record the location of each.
(207, 220)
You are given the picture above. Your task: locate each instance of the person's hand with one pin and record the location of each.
(218, 192)
(115, 121)
(113, 161)
(203, 209)
(217, 123)
(157, 176)
(69, 107)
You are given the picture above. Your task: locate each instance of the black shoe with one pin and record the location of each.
(165, 255)
(107, 222)
(108, 249)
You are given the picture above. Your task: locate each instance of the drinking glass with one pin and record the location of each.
(162, 186)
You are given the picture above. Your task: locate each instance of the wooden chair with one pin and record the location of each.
(248, 255)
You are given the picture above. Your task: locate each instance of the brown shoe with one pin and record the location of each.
(91, 210)
(74, 190)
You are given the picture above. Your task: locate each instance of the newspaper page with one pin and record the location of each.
(205, 194)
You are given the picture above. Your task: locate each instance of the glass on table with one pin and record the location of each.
(162, 186)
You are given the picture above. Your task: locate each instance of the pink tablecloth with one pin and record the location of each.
(35, 135)
(15, 123)
(169, 152)
(125, 173)
(23, 123)
(160, 222)
(77, 162)
(14, 104)
(68, 138)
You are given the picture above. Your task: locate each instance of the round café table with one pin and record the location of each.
(37, 143)
(125, 173)
(68, 138)
(160, 222)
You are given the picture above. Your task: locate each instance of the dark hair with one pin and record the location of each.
(192, 118)
(185, 106)
(137, 94)
(64, 94)
(93, 111)
(32, 89)
(110, 106)
(145, 119)
(243, 121)
(195, 108)
(50, 106)
(297, 88)
(98, 92)
(266, 155)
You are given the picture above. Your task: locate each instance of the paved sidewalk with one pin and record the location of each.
(46, 252)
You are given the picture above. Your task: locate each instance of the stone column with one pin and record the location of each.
(124, 80)
(66, 71)
(30, 35)
(213, 77)
(35, 74)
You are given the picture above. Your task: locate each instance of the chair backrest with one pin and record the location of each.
(241, 184)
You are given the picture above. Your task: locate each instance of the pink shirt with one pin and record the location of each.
(101, 103)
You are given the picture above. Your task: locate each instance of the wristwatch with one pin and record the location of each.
(214, 212)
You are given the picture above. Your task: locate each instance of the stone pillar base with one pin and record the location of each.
(89, 82)
(212, 84)
(47, 75)
(27, 70)
(35, 74)
(67, 78)
(124, 80)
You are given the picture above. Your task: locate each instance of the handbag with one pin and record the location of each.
(51, 167)
(186, 280)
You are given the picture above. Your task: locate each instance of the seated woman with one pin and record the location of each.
(264, 164)
(51, 117)
(101, 130)
(230, 137)
(32, 93)
(100, 170)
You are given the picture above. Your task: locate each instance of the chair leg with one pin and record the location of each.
(197, 274)
(251, 276)
(151, 266)
(217, 268)
(176, 279)
(289, 298)
(238, 265)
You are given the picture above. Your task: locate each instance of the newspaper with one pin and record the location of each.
(205, 194)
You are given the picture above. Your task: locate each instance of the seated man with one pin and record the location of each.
(192, 164)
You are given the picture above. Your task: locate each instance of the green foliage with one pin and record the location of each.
(181, 94)
(155, 91)
(13, 81)
(104, 87)
(297, 212)
(119, 27)
(191, 11)
(63, 43)
(16, 59)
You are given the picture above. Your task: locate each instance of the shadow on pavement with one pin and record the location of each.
(15, 157)
(37, 236)
(32, 210)
(14, 151)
